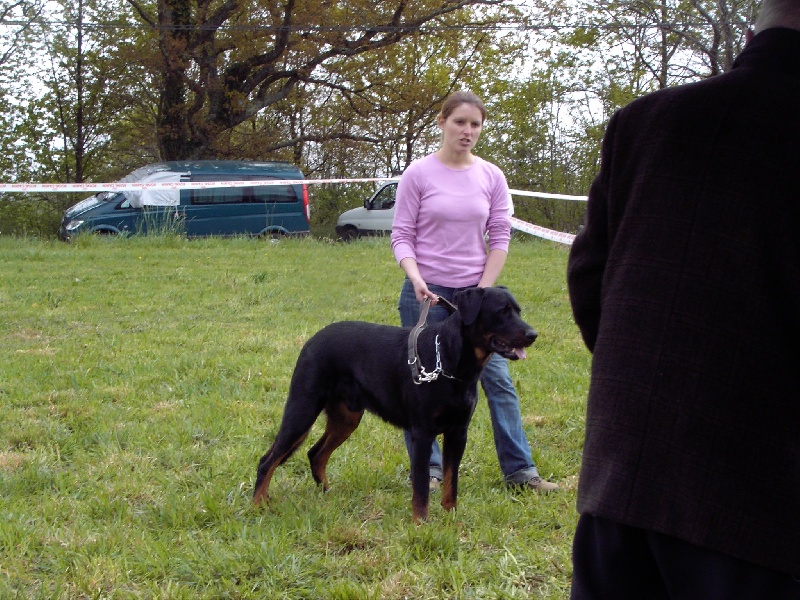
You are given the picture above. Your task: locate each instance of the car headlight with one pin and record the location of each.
(74, 224)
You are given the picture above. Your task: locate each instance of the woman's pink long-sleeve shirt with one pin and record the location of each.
(442, 216)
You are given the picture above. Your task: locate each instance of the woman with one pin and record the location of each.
(446, 204)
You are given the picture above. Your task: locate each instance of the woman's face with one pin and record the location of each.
(462, 128)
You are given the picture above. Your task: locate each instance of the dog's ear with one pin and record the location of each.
(469, 304)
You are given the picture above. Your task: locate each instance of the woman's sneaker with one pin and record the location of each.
(539, 485)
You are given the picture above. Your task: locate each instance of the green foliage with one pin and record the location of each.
(320, 45)
(37, 215)
(527, 137)
(583, 37)
(329, 201)
(168, 223)
(144, 377)
(560, 215)
(372, 113)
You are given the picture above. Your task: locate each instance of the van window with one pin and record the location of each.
(384, 199)
(261, 194)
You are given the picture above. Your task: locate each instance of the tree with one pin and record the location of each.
(385, 104)
(372, 114)
(224, 63)
(726, 20)
(72, 92)
(70, 106)
(18, 18)
(671, 41)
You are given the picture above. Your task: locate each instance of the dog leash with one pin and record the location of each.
(418, 373)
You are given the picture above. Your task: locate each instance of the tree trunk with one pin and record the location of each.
(174, 132)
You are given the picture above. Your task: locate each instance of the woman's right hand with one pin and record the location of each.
(421, 291)
(409, 265)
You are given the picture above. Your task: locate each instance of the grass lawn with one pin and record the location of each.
(142, 379)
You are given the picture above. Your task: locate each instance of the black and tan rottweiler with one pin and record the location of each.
(422, 379)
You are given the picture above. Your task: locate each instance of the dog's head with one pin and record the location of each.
(493, 317)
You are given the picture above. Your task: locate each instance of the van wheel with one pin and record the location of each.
(350, 233)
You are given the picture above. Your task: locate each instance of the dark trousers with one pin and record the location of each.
(612, 561)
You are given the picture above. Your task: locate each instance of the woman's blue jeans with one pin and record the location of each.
(511, 443)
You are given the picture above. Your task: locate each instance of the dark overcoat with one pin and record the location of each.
(685, 283)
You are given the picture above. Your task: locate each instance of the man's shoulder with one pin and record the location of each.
(672, 95)
(697, 102)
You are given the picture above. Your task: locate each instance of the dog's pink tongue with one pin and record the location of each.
(520, 352)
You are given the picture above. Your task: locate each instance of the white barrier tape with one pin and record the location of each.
(546, 195)
(119, 186)
(542, 232)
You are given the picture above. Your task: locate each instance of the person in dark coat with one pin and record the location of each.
(685, 284)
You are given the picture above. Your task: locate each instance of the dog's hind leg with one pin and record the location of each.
(341, 423)
(274, 457)
(298, 417)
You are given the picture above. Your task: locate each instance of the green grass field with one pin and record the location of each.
(142, 379)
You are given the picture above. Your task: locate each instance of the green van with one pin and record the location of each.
(219, 211)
